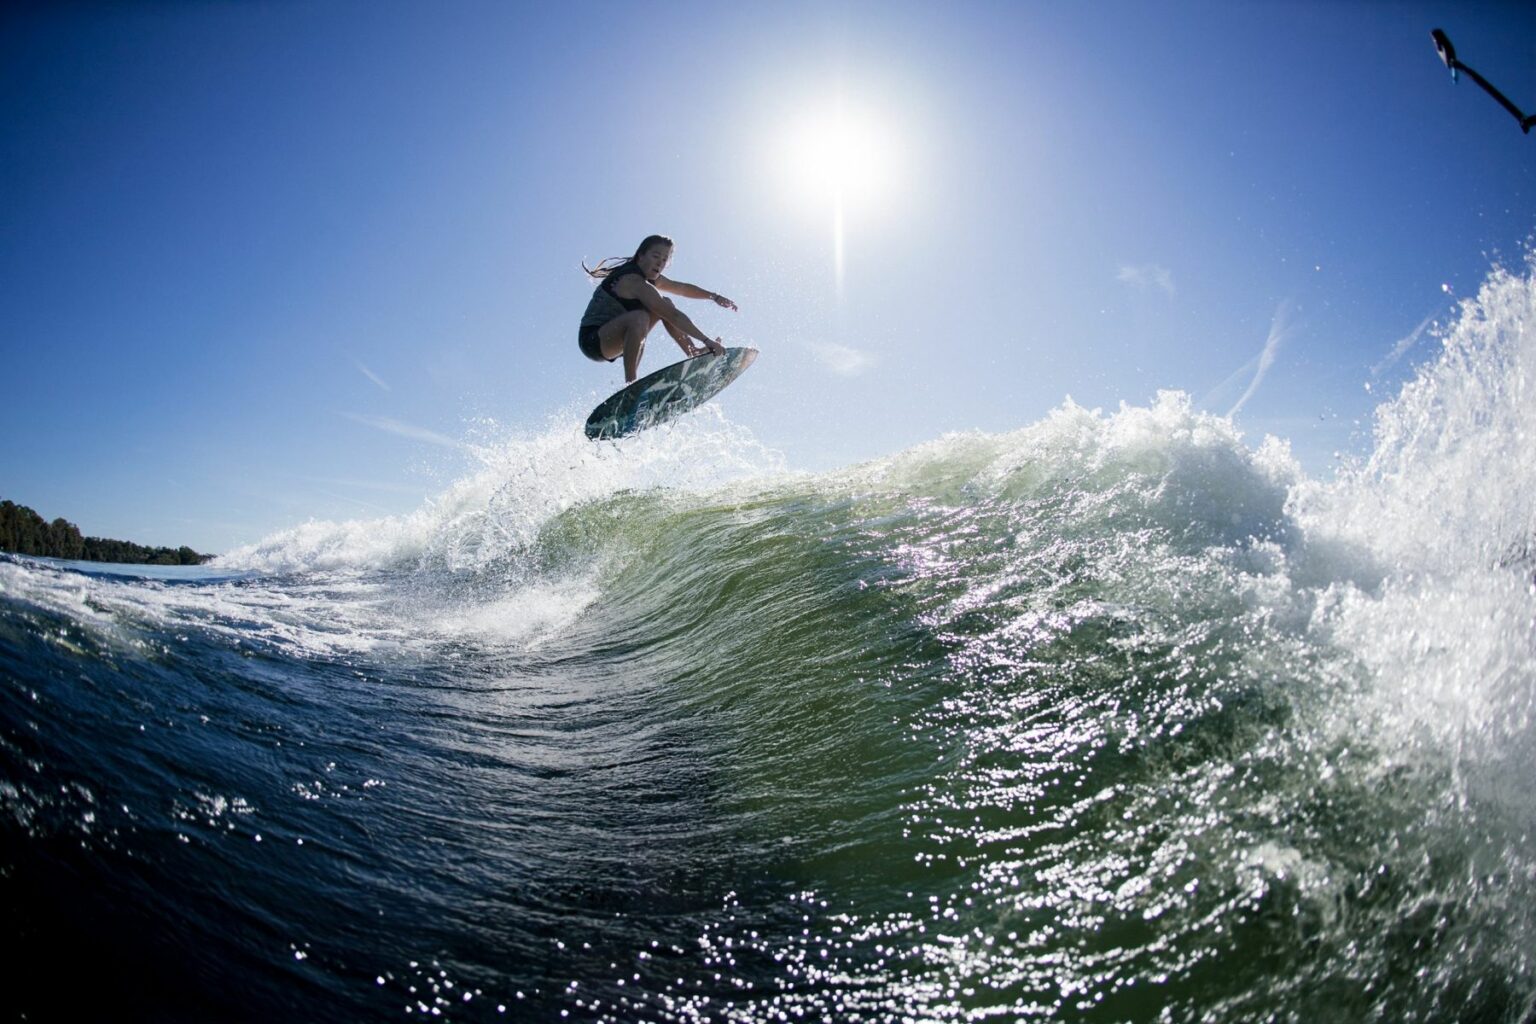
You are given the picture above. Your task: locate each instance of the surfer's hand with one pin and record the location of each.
(721, 300)
(715, 347)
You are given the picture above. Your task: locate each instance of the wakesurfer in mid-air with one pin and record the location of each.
(627, 303)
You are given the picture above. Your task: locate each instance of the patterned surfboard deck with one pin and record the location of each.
(670, 391)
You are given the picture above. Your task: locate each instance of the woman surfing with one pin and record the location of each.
(627, 303)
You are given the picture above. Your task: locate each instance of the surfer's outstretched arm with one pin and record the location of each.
(693, 291)
(665, 310)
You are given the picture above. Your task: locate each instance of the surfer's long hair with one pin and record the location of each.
(612, 263)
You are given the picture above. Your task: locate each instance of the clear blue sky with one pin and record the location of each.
(258, 260)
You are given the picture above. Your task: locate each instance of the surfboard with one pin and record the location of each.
(669, 392)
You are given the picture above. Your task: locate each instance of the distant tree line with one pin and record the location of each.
(24, 532)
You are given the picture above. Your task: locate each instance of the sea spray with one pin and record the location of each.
(1446, 505)
(521, 483)
(1451, 480)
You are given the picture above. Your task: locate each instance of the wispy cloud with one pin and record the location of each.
(1403, 345)
(1147, 276)
(1279, 327)
(842, 360)
(415, 433)
(370, 375)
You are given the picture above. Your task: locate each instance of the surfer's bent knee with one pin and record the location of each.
(615, 335)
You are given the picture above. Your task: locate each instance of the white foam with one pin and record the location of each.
(1179, 465)
(327, 615)
(527, 616)
(1451, 481)
(523, 482)
(1446, 508)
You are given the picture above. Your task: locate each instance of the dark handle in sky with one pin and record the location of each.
(1447, 54)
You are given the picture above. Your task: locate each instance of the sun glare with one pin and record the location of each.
(839, 158)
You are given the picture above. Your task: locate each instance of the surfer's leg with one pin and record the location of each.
(626, 335)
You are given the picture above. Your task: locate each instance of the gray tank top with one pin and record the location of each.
(605, 305)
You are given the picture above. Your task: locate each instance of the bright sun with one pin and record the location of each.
(837, 155)
(841, 158)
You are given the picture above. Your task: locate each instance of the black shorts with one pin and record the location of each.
(586, 340)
